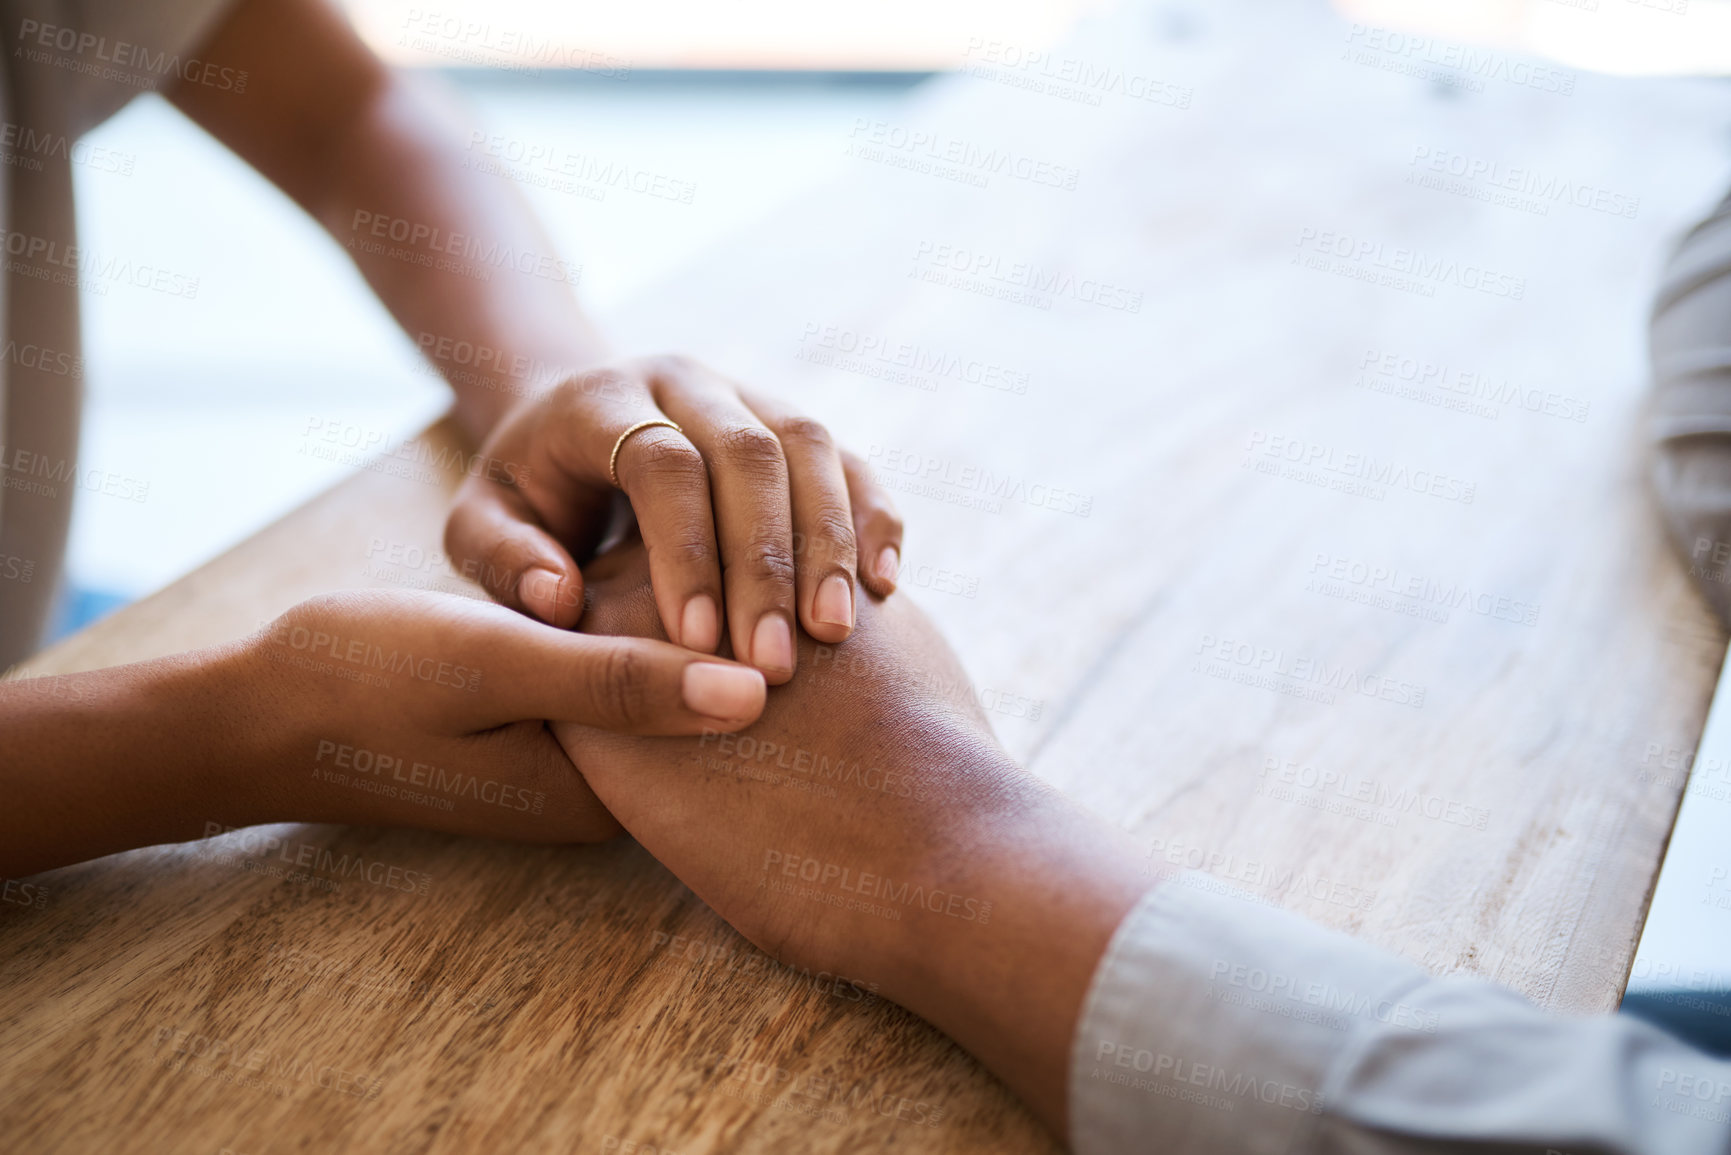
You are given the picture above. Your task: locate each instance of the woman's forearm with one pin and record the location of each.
(439, 230)
(450, 245)
(130, 756)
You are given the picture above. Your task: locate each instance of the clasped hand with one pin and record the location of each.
(749, 529)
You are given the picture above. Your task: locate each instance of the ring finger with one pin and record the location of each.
(663, 474)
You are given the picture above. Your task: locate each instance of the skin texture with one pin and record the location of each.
(749, 508)
(924, 796)
(1018, 894)
(752, 507)
(149, 753)
(749, 514)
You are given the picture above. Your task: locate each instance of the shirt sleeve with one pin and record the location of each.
(1217, 1023)
(1690, 411)
(96, 55)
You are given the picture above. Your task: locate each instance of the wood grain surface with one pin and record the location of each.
(1324, 565)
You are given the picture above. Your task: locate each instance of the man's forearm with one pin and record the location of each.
(1012, 997)
(971, 892)
(1009, 987)
(455, 253)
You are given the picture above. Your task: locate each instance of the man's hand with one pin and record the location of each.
(868, 758)
(869, 825)
(748, 505)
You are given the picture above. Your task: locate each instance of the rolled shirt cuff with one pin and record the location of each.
(1216, 1023)
(1690, 412)
(1213, 1022)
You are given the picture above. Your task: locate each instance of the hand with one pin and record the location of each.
(751, 498)
(833, 767)
(427, 710)
(869, 825)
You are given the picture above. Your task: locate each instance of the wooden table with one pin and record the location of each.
(1211, 560)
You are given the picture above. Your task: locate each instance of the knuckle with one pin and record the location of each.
(689, 551)
(828, 537)
(619, 687)
(833, 523)
(676, 365)
(751, 446)
(869, 496)
(766, 561)
(664, 456)
(807, 432)
(878, 510)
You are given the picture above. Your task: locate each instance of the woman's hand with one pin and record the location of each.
(420, 710)
(751, 515)
(428, 710)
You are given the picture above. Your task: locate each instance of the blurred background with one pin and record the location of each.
(748, 102)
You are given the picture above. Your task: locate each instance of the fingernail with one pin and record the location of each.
(538, 589)
(889, 564)
(772, 644)
(724, 692)
(700, 624)
(833, 605)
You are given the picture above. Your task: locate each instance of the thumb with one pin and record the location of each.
(626, 685)
(494, 538)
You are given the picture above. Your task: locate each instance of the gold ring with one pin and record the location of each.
(613, 462)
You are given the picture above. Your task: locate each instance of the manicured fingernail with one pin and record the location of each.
(538, 589)
(772, 644)
(889, 564)
(700, 624)
(724, 692)
(833, 605)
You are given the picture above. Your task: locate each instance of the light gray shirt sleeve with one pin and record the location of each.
(1217, 1023)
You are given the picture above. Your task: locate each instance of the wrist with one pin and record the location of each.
(257, 714)
(486, 397)
(1009, 987)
